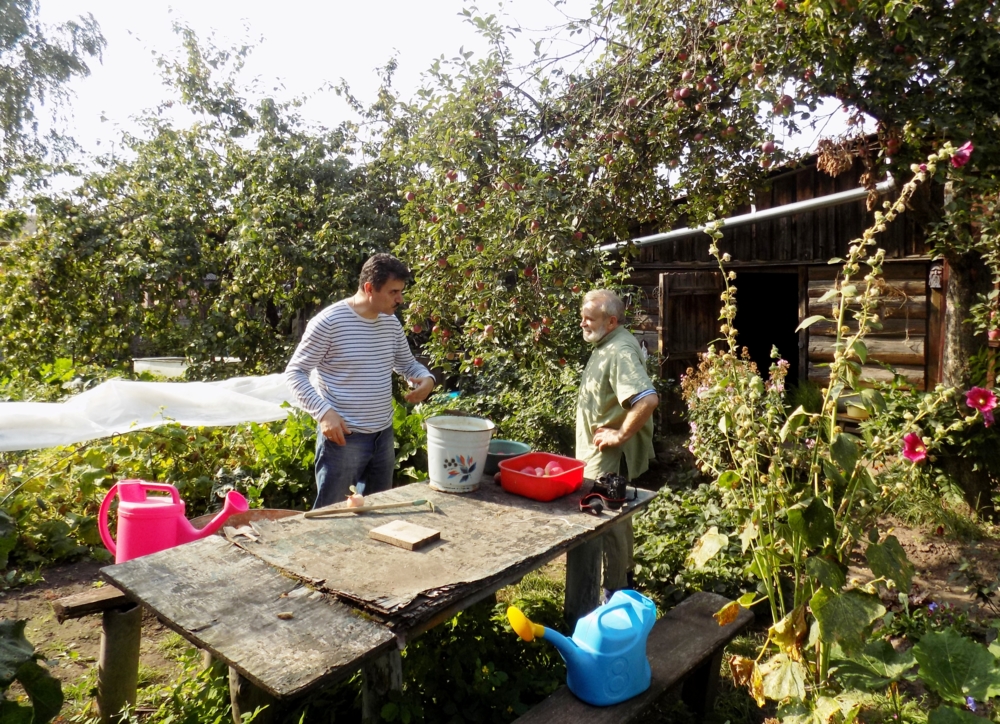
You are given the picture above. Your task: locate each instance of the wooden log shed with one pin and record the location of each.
(782, 271)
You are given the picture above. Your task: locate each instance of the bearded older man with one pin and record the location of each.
(614, 414)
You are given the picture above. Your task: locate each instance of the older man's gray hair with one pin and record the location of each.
(609, 303)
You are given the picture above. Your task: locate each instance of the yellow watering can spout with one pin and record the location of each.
(522, 626)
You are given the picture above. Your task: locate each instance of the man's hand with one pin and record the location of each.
(420, 392)
(607, 437)
(334, 428)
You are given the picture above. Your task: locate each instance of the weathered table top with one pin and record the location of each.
(272, 605)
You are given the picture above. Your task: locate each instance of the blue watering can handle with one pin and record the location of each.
(629, 608)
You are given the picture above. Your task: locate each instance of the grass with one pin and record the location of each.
(919, 506)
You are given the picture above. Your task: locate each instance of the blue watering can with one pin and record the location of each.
(606, 657)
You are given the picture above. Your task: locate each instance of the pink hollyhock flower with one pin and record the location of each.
(962, 155)
(914, 449)
(979, 398)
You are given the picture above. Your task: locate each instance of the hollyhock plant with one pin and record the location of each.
(981, 399)
(962, 155)
(914, 449)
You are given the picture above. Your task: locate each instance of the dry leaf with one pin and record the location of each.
(741, 669)
(285, 615)
(728, 613)
(757, 687)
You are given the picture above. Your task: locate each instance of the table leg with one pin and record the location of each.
(247, 697)
(118, 666)
(583, 579)
(379, 677)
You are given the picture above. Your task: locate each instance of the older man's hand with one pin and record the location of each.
(607, 437)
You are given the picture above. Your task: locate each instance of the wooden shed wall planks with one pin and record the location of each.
(808, 240)
(902, 342)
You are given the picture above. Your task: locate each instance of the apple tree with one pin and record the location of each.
(214, 239)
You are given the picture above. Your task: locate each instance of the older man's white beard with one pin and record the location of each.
(594, 336)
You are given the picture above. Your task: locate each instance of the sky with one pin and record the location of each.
(303, 45)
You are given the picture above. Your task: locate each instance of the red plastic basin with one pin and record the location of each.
(535, 486)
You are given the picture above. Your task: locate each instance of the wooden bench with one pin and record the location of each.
(685, 647)
(121, 631)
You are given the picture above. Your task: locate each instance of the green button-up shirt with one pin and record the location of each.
(615, 373)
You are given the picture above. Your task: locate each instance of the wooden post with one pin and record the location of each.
(702, 686)
(247, 697)
(583, 579)
(379, 677)
(118, 665)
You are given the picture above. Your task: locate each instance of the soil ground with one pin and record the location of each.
(71, 649)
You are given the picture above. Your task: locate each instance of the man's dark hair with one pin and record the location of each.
(380, 268)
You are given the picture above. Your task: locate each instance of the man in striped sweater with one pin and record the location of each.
(341, 374)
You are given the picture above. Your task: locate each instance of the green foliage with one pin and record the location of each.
(664, 535)
(19, 662)
(475, 669)
(956, 668)
(218, 240)
(36, 64)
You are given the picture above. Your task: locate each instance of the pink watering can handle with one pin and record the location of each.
(102, 520)
(102, 516)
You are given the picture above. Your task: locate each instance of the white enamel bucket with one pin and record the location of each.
(456, 452)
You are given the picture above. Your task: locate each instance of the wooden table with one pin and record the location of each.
(303, 602)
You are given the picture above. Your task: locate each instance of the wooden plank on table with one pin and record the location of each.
(228, 602)
(684, 638)
(405, 535)
(95, 600)
(498, 536)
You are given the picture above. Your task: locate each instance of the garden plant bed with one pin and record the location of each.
(71, 649)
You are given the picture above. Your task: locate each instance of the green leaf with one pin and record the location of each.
(15, 650)
(707, 546)
(829, 294)
(955, 667)
(810, 321)
(748, 534)
(390, 711)
(8, 537)
(827, 572)
(861, 350)
(888, 560)
(844, 618)
(873, 400)
(951, 715)
(845, 452)
(728, 480)
(13, 713)
(43, 689)
(875, 667)
(794, 422)
(783, 678)
(813, 521)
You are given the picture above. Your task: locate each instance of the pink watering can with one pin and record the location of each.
(147, 524)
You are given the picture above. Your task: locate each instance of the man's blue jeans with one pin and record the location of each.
(366, 457)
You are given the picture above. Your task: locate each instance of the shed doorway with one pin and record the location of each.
(767, 313)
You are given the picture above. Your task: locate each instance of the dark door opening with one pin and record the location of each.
(767, 313)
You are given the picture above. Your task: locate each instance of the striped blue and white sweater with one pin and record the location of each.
(345, 362)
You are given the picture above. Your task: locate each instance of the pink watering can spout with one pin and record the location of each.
(151, 523)
(235, 503)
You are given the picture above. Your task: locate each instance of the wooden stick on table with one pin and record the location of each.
(338, 508)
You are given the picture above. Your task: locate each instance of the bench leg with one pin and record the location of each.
(379, 677)
(118, 665)
(246, 697)
(702, 686)
(583, 579)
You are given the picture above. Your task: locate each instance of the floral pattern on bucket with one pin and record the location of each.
(462, 465)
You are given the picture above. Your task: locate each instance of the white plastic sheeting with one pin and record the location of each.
(118, 406)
